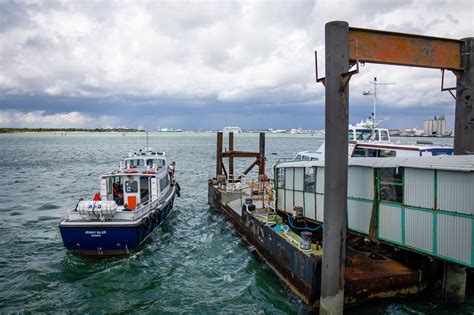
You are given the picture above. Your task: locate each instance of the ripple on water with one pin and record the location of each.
(48, 206)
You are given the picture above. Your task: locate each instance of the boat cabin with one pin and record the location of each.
(132, 188)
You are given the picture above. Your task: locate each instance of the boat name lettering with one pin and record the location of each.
(95, 233)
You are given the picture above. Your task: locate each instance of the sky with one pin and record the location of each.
(204, 65)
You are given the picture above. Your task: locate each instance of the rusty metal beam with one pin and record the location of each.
(241, 154)
(404, 49)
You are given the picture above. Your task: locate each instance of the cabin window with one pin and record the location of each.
(387, 153)
(310, 179)
(376, 135)
(391, 184)
(281, 178)
(350, 135)
(144, 189)
(155, 163)
(131, 186)
(384, 135)
(363, 134)
(164, 182)
(136, 162)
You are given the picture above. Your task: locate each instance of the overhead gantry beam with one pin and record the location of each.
(404, 49)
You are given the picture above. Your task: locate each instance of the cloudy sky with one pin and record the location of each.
(206, 64)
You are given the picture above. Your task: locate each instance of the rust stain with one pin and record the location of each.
(404, 49)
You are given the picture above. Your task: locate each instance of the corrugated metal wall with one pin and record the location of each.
(289, 201)
(456, 192)
(299, 180)
(390, 222)
(320, 180)
(289, 178)
(299, 202)
(360, 182)
(281, 199)
(320, 208)
(310, 205)
(358, 215)
(419, 229)
(419, 188)
(454, 237)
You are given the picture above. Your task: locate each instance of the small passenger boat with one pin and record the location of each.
(133, 201)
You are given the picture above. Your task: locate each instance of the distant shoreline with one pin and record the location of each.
(65, 130)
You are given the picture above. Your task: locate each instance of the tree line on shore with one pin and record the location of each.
(15, 130)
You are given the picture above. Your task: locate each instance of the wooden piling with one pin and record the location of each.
(219, 154)
(231, 158)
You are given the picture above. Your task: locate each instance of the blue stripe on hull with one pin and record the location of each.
(111, 240)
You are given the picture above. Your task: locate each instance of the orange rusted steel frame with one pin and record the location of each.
(404, 49)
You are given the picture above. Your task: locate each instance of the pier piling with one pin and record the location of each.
(231, 158)
(219, 154)
(261, 157)
(335, 182)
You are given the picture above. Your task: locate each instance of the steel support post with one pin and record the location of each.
(464, 119)
(231, 158)
(219, 154)
(335, 182)
(454, 280)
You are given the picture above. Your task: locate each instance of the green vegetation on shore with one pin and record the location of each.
(15, 130)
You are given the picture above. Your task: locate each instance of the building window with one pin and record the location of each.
(310, 179)
(281, 178)
(391, 184)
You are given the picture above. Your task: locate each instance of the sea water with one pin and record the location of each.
(193, 263)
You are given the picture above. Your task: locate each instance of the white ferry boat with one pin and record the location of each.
(366, 139)
(133, 201)
(233, 129)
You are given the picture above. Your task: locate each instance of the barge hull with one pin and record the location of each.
(365, 278)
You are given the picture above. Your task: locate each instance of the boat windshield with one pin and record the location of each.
(362, 134)
(155, 163)
(135, 162)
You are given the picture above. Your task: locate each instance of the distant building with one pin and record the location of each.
(435, 126)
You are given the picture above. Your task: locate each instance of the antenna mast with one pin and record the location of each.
(374, 94)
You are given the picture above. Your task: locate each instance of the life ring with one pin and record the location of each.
(146, 223)
(130, 171)
(149, 172)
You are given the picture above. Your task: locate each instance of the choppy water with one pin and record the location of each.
(194, 263)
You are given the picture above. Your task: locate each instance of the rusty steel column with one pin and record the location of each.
(261, 155)
(231, 158)
(219, 154)
(464, 119)
(454, 278)
(335, 169)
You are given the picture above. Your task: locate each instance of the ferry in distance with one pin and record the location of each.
(132, 202)
(233, 129)
(366, 139)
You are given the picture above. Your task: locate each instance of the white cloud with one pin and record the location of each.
(38, 119)
(230, 51)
